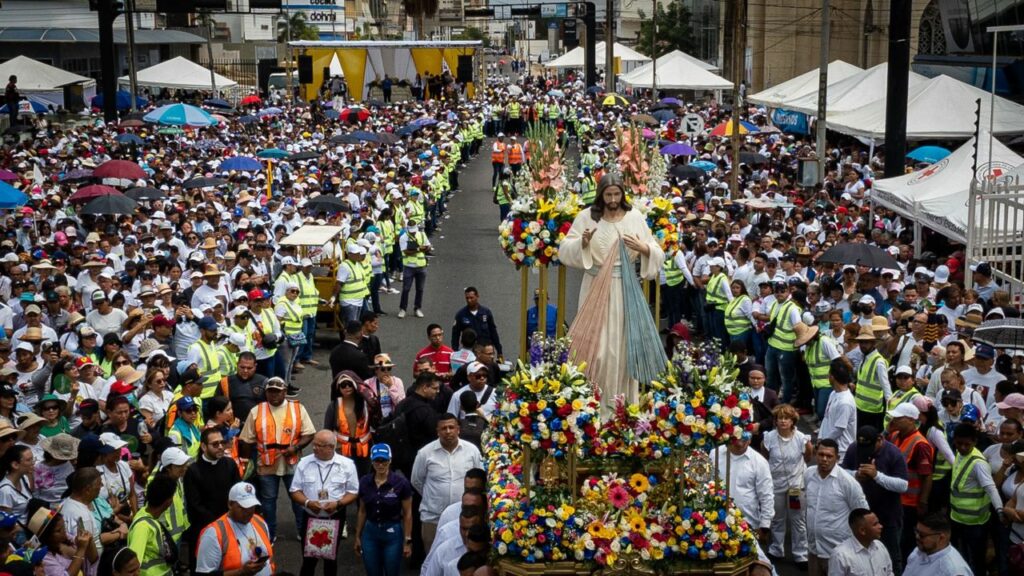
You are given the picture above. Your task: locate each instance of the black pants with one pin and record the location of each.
(870, 419)
(330, 566)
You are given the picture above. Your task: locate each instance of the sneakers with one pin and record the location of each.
(344, 532)
(419, 313)
(401, 313)
(394, 291)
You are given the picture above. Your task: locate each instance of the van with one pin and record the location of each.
(279, 80)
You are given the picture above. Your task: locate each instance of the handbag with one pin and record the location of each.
(321, 539)
(296, 340)
(268, 341)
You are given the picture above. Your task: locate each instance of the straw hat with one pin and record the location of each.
(383, 360)
(211, 271)
(128, 375)
(865, 336)
(28, 420)
(6, 430)
(61, 447)
(804, 333)
(970, 320)
(209, 244)
(40, 520)
(32, 334)
(879, 323)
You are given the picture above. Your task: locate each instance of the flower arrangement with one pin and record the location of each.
(544, 207)
(634, 159)
(661, 219)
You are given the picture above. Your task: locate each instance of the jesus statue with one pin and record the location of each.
(593, 239)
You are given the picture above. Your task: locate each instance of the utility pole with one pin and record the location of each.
(896, 93)
(288, 56)
(739, 49)
(823, 86)
(609, 46)
(654, 52)
(129, 30)
(209, 52)
(108, 11)
(590, 59)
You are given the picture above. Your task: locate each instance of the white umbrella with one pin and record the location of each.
(515, 90)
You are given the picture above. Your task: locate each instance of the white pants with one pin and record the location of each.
(797, 526)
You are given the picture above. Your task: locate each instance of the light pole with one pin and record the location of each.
(995, 30)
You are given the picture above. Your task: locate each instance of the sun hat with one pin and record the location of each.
(61, 446)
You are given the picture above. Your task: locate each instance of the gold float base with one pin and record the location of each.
(740, 567)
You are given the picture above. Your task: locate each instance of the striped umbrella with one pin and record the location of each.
(180, 115)
(725, 128)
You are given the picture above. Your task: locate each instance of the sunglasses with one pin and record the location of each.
(384, 368)
(123, 362)
(51, 407)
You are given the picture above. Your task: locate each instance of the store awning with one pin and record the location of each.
(92, 36)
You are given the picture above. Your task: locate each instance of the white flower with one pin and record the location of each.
(615, 546)
(502, 548)
(645, 554)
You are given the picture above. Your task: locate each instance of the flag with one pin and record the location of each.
(37, 175)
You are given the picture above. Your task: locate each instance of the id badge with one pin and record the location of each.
(322, 495)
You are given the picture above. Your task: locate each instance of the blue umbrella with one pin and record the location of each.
(422, 122)
(664, 115)
(218, 103)
(556, 93)
(248, 119)
(671, 101)
(929, 154)
(366, 136)
(180, 115)
(272, 111)
(679, 149)
(332, 114)
(241, 164)
(704, 165)
(122, 99)
(11, 197)
(34, 106)
(128, 138)
(274, 153)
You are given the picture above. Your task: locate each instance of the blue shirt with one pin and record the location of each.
(383, 504)
(551, 320)
(889, 461)
(482, 322)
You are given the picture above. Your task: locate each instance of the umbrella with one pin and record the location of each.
(671, 101)
(374, 103)
(752, 158)
(725, 128)
(354, 114)
(514, 90)
(649, 134)
(332, 114)
(327, 204)
(304, 156)
(859, 254)
(556, 93)
(344, 139)
(388, 137)
(685, 171)
(679, 149)
(131, 123)
(218, 103)
(7, 176)
(1001, 333)
(110, 204)
(251, 100)
(423, 122)
(664, 115)
(86, 193)
(122, 169)
(645, 118)
(366, 136)
(704, 165)
(272, 111)
(202, 182)
(76, 174)
(241, 164)
(220, 118)
(27, 106)
(11, 197)
(146, 194)
(128, 138)
(248, 119)
(613, 99)
(180, 115)
(929, 154)
(122, 99)
(272, 154)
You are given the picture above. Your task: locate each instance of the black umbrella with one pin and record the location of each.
(752, 158)
(327, 204)
(345, 139)
(110, 204)
(1001, 333)
(859, 254)
(202, 182)
(217, 103)
(376, 103)
(685, 171)
(304, 156)
(388, 137)
(146, 194)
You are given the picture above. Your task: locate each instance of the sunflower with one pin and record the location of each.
(639, 483)
(637, 524)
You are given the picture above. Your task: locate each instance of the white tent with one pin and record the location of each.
(850, 93)
(575, 58)
(804, 84)
(676, 71)
(938, 193)
(942, 107)
(178, 73)
(46, 83)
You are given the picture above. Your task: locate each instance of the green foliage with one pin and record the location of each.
(473, 33)
(673, 30)
(300, 30)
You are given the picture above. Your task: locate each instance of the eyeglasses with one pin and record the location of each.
(122, 362)
(384, 368)
(52, 407)
(922, 535)
(215, 444)
(344, 385)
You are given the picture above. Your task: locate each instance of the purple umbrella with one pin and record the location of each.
(672, 101)
(678, 149)
(8, 176)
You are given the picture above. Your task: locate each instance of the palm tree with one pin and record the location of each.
(300, 30)
(420, 10)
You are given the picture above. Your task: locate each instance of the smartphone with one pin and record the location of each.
(81, 526)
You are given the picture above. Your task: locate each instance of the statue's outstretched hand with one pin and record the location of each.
(587, 235)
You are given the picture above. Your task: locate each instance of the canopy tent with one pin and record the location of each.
(938, 193)
(48, 84)
(942, 107)
(178, 73)
(850, 93)
(575, 58)
(804, 84)
(676, 71)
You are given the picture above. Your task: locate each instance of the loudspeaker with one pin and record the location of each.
(305, 69)
(465, 72)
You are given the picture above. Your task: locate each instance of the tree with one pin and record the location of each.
(300, 30)
(673, 30)
(419, 11)
(473, 33)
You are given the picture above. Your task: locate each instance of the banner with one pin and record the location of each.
(789, 121)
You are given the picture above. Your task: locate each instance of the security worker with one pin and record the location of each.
(515, 114)
(415, 246)
(289, 312)
(819, 351)
(718, 297)
(588, 187)
(309, 298)
(515, 156)
(353, 284)
(872, 391)
(220, 544)
(780, 358)
(920, 458)
(147, 536)
(353, 441)
(503, 195)
(204, 354)
(498, 153)
(174, 462)
(738, 315)
(971, 493)
(905, 391)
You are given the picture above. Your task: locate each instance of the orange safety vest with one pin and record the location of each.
(515, 154)
(361, 439)
(266, 432)
(498, 153)
(907, 446)
(231, 451)
(230, 549)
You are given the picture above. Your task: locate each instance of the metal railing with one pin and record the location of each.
(995, 232)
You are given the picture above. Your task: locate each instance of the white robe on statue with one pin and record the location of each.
(611, 375)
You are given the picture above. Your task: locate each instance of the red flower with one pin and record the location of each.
(700, 411)
(731, 401)
(320, 539)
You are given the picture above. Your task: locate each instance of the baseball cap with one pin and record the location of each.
(907, 370)
(207, 323)
(866, 299)
(983, 268)
(175, 456)
(984, 351)
(942, 274)
(951, 395)
(380, 452)
(255, 294)
(111, 440)
(867, 435)
(276, 383)
(88, 407)
(242, 494)
(905, 410)
(475, 367)
(1012, 400)
(185, 404)
(98, 296)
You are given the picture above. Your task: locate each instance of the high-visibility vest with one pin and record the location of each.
(230, 548)
(736, 322)
(419, 259)
(416, 209)
(228, 366)
(309, 296)
(714, 292)
(266, 432)
(869, 396)
(968, 505)
(355, 287)
(210, 368)
(817, 364)
(589, 188)
(673, 274)
(174, 518)
(187, 436)
(503, 196)
(515, 154)
(898, 397)
(172, 410)
(152, 559)
(554, 112)
(270, 322)
(387, 232)
(514, 110)
(588, 160)
(783, 338)
(292, 323)
(361, 439)
(907, 446)
(498, 153)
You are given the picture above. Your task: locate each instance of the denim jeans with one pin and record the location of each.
(409, 274)
(350, 313)
(267, 491)
(821, 396)
(742, 337)
(781, 366)
(382, 548)
(268, 366)
(309, 328)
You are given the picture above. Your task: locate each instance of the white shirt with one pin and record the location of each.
(985, 384)
(945, 562)
(450, 514)
(448, 551)
(829, 502)
(445, 532)
(74, 512)
(786, 459)
(209, 556)
(455, 405)
(750, 485)
(437, 474)
(840, 421)
(851, 558)
(335, 477)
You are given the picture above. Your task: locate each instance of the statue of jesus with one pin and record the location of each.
(593, 238)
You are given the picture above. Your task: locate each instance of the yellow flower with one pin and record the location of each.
(637, 523)
(507, 537)
(577, 404)
(542, 404)
(639, 483)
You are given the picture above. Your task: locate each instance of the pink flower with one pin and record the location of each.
(619, 497)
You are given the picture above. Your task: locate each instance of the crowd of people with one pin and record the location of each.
(148, 400)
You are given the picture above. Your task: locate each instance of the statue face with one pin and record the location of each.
(612, 197)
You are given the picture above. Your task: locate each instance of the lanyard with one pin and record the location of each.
(323, 479)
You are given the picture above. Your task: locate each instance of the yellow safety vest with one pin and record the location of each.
(270, 322)
(714, 292)
(783, 338)
(968, 505)
(387, 232)
(145, 538)
(735, 322)
(355, 287)
(898, 397)
(869, 396)
(673, 274)
(817, 364)
(514, 110)
(210, 368)
(292, 323)
(309, 296)
(419, 259)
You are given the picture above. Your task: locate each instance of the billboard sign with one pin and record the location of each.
(324, 14)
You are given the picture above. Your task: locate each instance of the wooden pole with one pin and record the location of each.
(542, 302)
(524, 305)
(560, 327)
(270, 179)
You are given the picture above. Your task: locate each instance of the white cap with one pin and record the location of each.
(905, 369)
(175, 456)
(808, 318)
(867, 299)
(850, 267)
(717, 261)
(238, 340)
(292, 286)
(922, 271)
(942, 274)
(475, 367)
(237, 294)
(112, 440)
(306, 262)
(24, 346)
(288, 260)
(243, 494)
(356, 250)
(905, 410)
